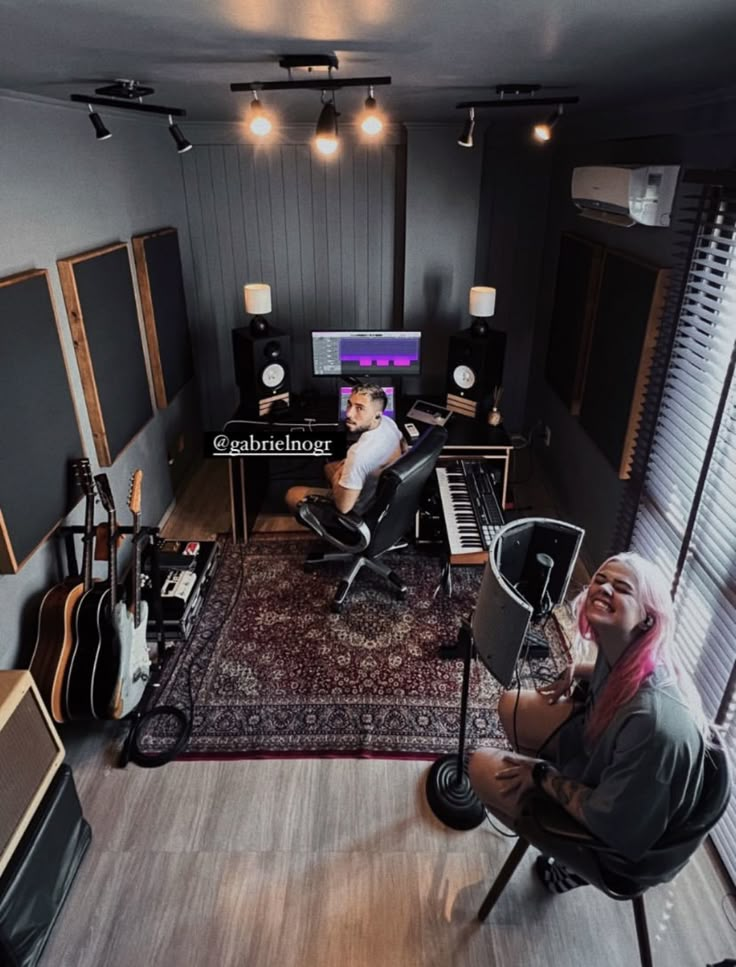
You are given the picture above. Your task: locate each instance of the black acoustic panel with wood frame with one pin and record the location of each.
(39, 430)
(576, 291)
(161, 288)
(629, 308)
(100, 303)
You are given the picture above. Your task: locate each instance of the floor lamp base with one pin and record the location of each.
(453, 803)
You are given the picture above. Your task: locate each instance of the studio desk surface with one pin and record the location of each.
(251, 476)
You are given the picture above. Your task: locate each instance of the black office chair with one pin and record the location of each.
(362, 540)
(549, 828)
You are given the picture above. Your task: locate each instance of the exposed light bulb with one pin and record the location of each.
(371, 123)
(326, 146)
(261, 126)
(543, 132)
(325, 136)
(260, 123)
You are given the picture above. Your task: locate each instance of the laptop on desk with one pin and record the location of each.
(429, 413)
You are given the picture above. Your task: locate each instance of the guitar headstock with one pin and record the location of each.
(134, 492)
(103, 488)
(83, 476)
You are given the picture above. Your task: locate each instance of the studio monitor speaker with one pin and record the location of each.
(30, 755)
(262, 369)
(474, 368)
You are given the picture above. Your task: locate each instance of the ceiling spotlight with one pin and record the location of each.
(466, 138)
(101, 132)
(182, 144)
(371, 123)
(260, 123)
(543, 132)
(326, 132)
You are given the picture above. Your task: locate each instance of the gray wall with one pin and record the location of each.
(319, 232)
(587, 484)
(511, 223)
(380, 237)
(62, 192)
(441, 221)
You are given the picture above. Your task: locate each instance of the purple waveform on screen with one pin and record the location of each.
(398, 352)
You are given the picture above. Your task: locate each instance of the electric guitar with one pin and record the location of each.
(55, 637)
(92, 671)
(130, 623)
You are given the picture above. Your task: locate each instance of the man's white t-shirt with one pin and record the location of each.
(367, 458)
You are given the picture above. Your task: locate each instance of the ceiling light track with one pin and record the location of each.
(309, 62)
(326, 133)
(519, 102)
(516, 95)
(125, 88)
(127, 105)
(325, 84)
(128, 96)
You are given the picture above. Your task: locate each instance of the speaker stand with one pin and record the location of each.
(449, 793)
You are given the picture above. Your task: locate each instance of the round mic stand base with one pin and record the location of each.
(452, 800)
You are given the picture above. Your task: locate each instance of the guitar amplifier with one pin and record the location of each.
(30, 755)
(185, 579)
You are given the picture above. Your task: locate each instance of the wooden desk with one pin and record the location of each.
(468, 439)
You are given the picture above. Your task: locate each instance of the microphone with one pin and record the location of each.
(538, 582)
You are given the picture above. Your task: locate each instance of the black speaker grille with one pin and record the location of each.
(27, 753)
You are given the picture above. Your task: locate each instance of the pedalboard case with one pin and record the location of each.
(186, 570)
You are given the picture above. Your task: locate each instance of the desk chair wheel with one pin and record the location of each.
(339, 600)
(399, 587)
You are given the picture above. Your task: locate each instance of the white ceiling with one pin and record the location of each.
(437, 51)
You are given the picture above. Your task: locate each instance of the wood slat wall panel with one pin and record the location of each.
(320, 233)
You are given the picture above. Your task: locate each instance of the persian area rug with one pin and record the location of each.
(273, 672)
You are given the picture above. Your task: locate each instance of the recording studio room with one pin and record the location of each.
(367, 426)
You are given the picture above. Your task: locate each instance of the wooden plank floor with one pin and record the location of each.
(330, 863)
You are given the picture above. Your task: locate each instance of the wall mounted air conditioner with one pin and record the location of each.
(625, 194)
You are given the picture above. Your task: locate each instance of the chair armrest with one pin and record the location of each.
(317, 499)
(347, 532)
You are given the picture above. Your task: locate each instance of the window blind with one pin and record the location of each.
(685, 520)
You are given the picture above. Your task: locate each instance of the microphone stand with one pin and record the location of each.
(449, 793)
(538, 597)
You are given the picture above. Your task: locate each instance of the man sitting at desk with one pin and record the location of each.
(353, 480)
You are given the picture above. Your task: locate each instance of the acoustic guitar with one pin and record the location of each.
(55, 636)
(130, 623)
(92, 671)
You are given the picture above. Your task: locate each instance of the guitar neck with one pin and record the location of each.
(113, 558)
(136, 601)
(83, 476)
(134, 506)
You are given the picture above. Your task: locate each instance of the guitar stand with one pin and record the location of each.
(148, 533)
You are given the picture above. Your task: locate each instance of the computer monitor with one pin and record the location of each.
(367, 353)
(345, 392)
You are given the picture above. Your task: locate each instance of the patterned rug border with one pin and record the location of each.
(408, 725)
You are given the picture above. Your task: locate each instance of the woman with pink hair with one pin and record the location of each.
(627, 761)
